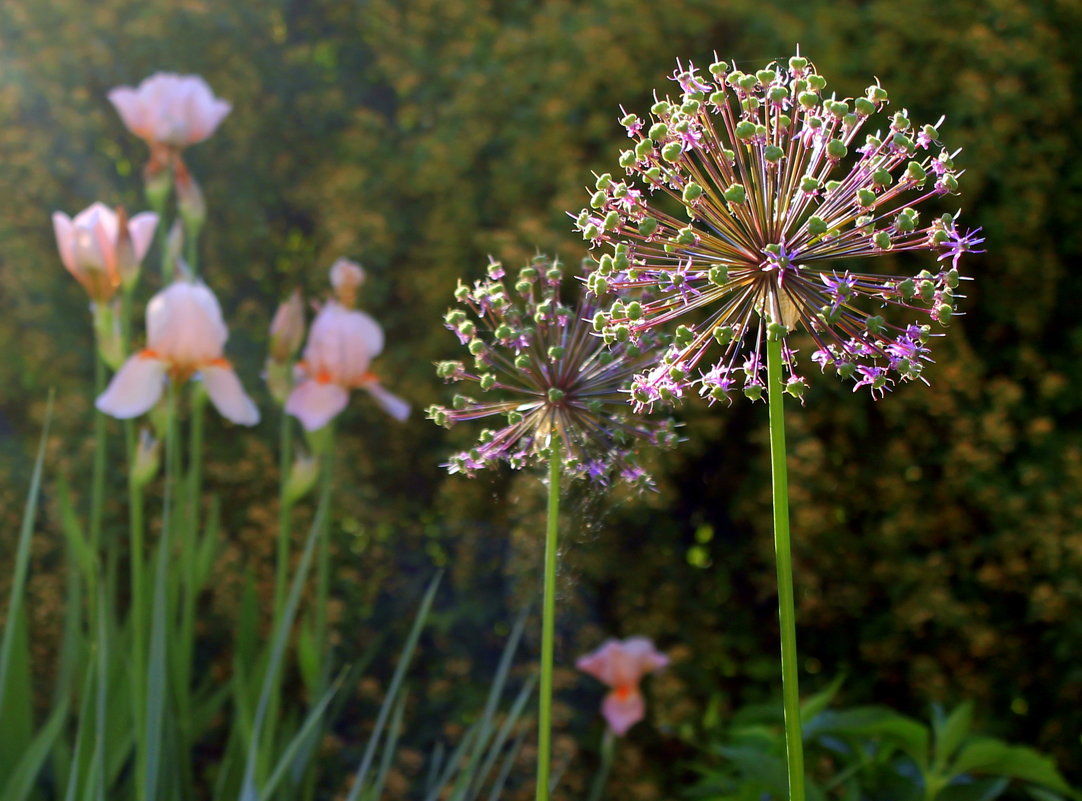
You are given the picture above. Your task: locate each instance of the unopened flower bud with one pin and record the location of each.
(147, 459)
(287, 328)
(302, 477)
(107, 334)
(346, 278)
(190, 202)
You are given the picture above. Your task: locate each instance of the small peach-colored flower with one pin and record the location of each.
(621, 665)
(170, 109)
(93, 247)
(185, 334)
(341, 345)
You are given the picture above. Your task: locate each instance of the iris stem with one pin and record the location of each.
(285, 515)
(794, 747)
(608, 748)
(548, 618)
(97, 488)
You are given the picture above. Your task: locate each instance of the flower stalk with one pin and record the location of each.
(794, 747)
(548, 625)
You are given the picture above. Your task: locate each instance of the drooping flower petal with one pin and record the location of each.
(316, 403)
(135, 388)
(388, 401)
(228, 395)
(622, 709)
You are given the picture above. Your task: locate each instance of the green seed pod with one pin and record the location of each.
(647, 226)
(753, 392)
(881, 177)
(660, 108)
(644, 148)
(598, 200)
(723, 334)
(628, 159)
(612, 221)
(745, 130)
(634, 310)
(881, 240)
(718, 275)
(865, 197)
(671, 151)
(836, 149)
(659, 131)
(487, 381)
(736, 194)
(816, 226)
(603, 181)
(629, 120)
(773, 153)
(692, 192)
(864, 107)
(798, 63)
(683, 336)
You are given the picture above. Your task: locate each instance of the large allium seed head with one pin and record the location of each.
(538, 368)
(744, 198)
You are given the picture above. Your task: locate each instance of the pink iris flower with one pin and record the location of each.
(341, 345)
(170, 109)
(185, 335)
(621, 665)
(90, 247)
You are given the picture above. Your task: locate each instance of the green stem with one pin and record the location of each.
(97, 490)
(323, 566)
(285, 516)
(548, 627)
(136, 569)
(608, 747)
(794, 747)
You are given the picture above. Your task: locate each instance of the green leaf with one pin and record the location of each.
(984, 789)
(760, 767)
(996, 758)
(877, 722)
(950, 732)
(21, 780)
(815, 704)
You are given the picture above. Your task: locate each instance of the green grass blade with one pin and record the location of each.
(392, 691)
(79, 757)
(21, 780)
(390, 747)
(507, 767)
(503, 735)
(290, 752)
(22, 558)
(248, 790)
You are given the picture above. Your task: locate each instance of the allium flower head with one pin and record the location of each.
(542, 371)
(777, 188)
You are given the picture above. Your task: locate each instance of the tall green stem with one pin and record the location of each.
(285, 515)
(608, 746)
(97, 491)
(794, 746)
(548, 628)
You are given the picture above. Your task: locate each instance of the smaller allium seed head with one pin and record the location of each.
(542, 370)
(778, 185)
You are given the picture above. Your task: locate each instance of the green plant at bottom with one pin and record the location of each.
(870, 753)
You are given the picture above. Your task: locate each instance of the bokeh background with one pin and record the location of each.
(938, 533)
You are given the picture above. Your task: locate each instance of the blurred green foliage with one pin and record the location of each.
(938, 533)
